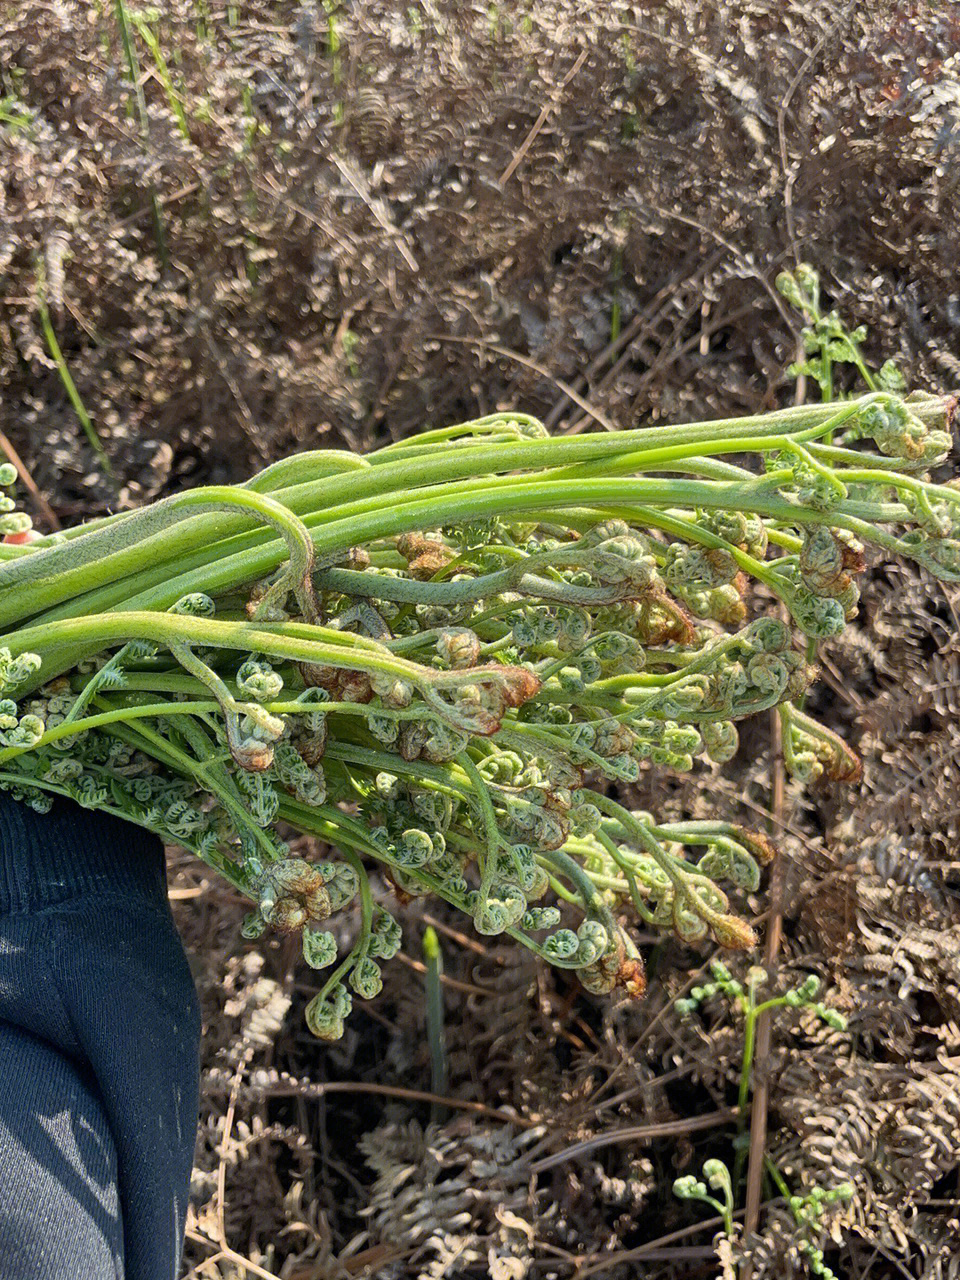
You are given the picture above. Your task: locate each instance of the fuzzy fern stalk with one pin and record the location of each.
(441, 659)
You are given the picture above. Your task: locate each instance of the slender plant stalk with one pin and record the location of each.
(433, 960)
(175, 100)
(69, 385)
(133, 72)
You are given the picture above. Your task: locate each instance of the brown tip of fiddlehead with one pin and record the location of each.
(252, 755)
(759, 845)
(632, 977)
(402, 895)
(659, 620)
(425, 557)
(317, 677)
(519, 684)
(733, 933)
(836, 758)
(311, 747)
(342, 685)
(950, 411)
(294, 894)
(844, 765)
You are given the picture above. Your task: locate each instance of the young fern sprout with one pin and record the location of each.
(807, 1210)
(746, 999)
(451, 663)
(717, 1175)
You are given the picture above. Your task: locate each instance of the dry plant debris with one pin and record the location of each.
(288, 315)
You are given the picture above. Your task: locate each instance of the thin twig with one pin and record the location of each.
(225, 1145)
(638, 1133)
(378, 209)
(247, 420)
(541, 120)
(315, 1091)
(462, 939)
(605, 1262)
(528, 364)
(230, 1255)
(761, 1092)
(641, 326)
(644, 1036)
(180, 194)
(220, 1202)
(454, 984)
(789, 179)
(30, 484)
(670, 354)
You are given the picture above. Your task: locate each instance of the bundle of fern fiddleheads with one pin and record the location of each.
(425, 657)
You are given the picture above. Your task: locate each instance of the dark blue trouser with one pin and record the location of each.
(99, 1052)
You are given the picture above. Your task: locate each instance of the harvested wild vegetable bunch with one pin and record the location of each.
(433, 657)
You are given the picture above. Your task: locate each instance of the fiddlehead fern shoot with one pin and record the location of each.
(435, 660)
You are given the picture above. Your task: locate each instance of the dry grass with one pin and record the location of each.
(387, 215)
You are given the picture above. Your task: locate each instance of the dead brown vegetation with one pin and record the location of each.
(386, 216)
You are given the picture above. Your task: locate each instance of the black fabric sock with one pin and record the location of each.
(99, 1051)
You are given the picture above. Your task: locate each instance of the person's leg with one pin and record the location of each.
(121, 971)
(59, 1208)
(91, 967)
